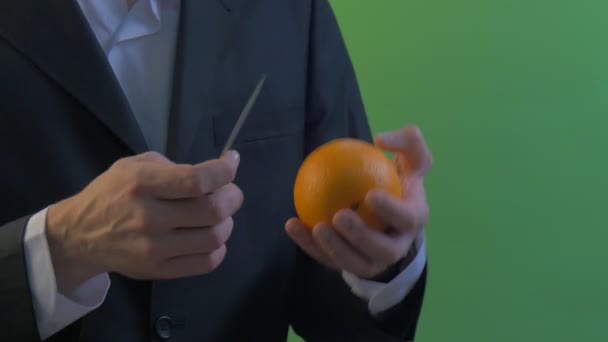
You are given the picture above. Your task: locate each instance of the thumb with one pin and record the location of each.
(233, 159)
(413, 153)
(152, 156)
(398, 140)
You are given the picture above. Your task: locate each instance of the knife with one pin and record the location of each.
(244, 114)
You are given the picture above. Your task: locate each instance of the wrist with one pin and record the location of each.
(394, 270)
(71, 267)
(390, 273)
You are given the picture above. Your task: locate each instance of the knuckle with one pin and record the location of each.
(216, 178)
(234, 197)
(122, 163)
(215, 238)
(218, 208)
(238, 196)
(135, 182)
(142, 220)
(213, 261)
(229, 224)
(216, 259)
(152, 155)
(220, 173)
(220, 233)
(149, 249)
(133, 188)
(193, 182)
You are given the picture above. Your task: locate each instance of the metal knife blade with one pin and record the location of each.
(244, 114)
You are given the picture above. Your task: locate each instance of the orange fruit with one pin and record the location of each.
(338, 175)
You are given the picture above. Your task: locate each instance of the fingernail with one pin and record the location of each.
(385, 136)
(235, 155)
(232, 154)
(395, 139)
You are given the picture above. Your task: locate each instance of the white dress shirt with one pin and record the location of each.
(140, 46)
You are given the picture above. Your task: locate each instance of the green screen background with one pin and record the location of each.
(512, 96)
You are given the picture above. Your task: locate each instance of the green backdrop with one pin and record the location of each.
(512, 96)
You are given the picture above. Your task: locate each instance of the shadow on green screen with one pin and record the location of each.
(512, 96)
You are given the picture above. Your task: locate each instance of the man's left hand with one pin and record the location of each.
(348, 244)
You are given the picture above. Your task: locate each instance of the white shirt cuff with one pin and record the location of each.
(383, 296)
(53, 310)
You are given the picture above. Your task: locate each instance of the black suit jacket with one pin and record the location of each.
(64, 121)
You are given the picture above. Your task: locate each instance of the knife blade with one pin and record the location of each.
(244, 114)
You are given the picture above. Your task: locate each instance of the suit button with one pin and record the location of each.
(163, 327)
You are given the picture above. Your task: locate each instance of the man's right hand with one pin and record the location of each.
(146, 218)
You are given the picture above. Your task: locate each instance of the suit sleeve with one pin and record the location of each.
(17, 313)
(325, 309)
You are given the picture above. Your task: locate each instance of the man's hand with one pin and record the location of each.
(348, 244)
(146, 218)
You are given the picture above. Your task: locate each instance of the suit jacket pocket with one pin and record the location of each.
(260, 125)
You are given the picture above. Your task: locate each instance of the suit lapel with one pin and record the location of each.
(55, 36)
(206, 29)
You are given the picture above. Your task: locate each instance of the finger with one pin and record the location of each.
(189, 241)
(341, 254)
(152, 156)
(413, 152)
(209, 209)
(191, 265)
(409, 214)
(373, 244)
(216, 173)
(180, 181)
(203, 211)
(302, 236)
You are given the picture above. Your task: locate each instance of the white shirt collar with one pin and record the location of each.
(113, 22)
